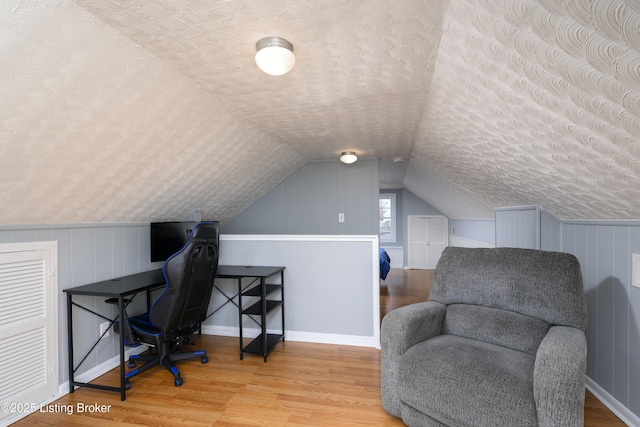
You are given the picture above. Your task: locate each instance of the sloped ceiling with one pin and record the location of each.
(115, 111)
(538, 103)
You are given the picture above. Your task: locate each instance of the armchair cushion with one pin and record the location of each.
(469, 382)
(495, 326)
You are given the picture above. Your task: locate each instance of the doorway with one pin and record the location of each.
(427, 238)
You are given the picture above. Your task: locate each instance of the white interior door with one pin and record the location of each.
(418, 253)
(427, 240)
(437, 239)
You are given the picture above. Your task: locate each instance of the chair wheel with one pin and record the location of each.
(127, 385)
(131, 364)
(204, 359)
(178, 381)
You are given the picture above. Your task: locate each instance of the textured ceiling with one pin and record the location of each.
(538, 103)
(114, 111)
(362, 70)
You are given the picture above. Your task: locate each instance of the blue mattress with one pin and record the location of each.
(385, 264)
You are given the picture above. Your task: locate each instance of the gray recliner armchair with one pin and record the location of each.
(500, 342)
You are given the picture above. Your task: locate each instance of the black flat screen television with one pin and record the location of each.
(167, 238)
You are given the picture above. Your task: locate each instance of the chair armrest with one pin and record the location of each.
(401, 329)
(558, 377)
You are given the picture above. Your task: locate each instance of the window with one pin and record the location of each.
(387, 210)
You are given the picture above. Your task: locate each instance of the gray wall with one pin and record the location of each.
(318, 269)
(527, 227)
(604, 250)
(550, 232)
(479, 230)
(309, 200)
(518, 227)
(86, 254)
(613, 331)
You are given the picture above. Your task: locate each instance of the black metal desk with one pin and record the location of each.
(129, 286)
(259, 288)
(115, 288)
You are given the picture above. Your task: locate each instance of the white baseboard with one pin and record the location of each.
(621, 411)
(102, 368)
(223, 331)
(339, 339)
(354, 340)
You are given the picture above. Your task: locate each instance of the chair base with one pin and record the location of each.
(166, 358)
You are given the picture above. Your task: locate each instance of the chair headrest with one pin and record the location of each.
(204, 230)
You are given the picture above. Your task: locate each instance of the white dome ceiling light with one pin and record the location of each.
(275, 55)
(348, 157)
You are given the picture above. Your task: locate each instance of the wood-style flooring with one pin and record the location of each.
(301, 384)
(404, 287)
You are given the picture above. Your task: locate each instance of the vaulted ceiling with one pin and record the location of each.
(117, 111)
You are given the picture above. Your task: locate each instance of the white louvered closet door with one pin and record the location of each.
(28, 326)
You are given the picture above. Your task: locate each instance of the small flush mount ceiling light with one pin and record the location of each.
(275, 55)
(348, 157)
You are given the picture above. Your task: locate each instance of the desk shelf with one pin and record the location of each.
(256, 309)
(256, 303)
(257, 345)
(256, 291)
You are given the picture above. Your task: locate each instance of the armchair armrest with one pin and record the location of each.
(558, 377)
(401, 329)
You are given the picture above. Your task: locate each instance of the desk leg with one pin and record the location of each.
(123, 389)
(240, 316)
(282, 297)
(265, 338)
(70, 341)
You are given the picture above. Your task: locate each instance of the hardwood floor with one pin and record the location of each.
(302, 384)
(404, 287)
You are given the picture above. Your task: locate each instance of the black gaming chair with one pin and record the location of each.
(181, 307)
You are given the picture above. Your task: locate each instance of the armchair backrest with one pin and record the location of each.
(540, 284)
(189, 275)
